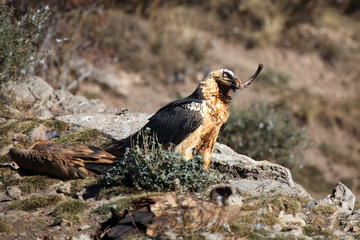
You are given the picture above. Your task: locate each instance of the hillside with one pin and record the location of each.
(142, 54)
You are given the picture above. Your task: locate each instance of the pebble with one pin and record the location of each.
(14, 192)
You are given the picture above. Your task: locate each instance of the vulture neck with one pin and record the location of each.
(215, 93)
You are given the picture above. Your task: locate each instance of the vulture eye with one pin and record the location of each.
(225, 75)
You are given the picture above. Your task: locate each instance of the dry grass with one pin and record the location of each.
(35, 202)
(69, 210)
(78, 184)
(324, 209)
(4, 226)
(27, 184)
(16, 132)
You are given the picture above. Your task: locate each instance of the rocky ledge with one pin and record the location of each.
(259, 187)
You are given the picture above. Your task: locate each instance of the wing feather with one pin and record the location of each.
(171, 124)
(175, 124)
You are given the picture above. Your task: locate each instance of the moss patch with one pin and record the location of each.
(30, 184)
(357, 204)
(5, 159)
(78, 184)
(277, 203)
(324, 209)
(260, 212)
(68, 210)
(244, 224)
(115, 191)
(312, 231)
(122, 204)
(16, 131)
(4, 226)
(35, 202)
(87, 136)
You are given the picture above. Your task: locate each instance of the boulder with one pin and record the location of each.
(341, 196)
(63, 102)
(31, 90)
(255, 177)
(14, 192)
(241, 166)
(116, 126)
(46, 103)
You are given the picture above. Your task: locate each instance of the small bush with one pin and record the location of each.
(18, 38)
(261, 132)
(153, 168)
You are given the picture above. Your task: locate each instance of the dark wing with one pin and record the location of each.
(171, 124)
(63, 161)
(174, 122)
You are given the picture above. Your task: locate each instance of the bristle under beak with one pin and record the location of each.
(237, 84)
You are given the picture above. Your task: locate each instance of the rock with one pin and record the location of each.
(45, 102)
(116, 126)
(14, 192)
(235, 199)
(64, 188)
(31, 90)
(255, 177)
(277, 227)
(84, 227)
(291, 220)
(267, 187)
(241, 166)
(4, 197)
(341, 197)
(81, 237)
(351, 222)
(65, 223)
(63, 102)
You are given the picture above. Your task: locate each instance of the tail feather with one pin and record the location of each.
(118, 148)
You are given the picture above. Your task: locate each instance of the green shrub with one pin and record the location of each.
(153, 168)
(18, 38)
(261, 132)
